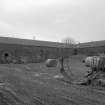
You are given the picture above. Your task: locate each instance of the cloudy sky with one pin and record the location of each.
(52, 20)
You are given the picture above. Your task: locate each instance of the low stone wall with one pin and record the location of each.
(10, 53)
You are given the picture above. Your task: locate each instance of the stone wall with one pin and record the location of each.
(91, 50)
(12, 53)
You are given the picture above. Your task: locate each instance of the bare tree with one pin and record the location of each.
(65, 61)
(68, 41)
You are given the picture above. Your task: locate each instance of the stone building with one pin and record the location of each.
(14, 50)
(91, 48)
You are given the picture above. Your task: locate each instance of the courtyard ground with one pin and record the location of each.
(35, 84)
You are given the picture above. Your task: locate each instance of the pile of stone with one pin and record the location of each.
(51, 62)
(96, 75)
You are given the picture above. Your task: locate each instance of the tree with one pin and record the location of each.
(68, 41)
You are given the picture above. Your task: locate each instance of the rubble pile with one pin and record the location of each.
(95, 79)
(96, 75)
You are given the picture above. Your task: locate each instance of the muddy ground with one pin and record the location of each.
(35, 84)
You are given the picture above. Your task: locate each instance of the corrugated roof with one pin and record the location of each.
(9, 40)
(91, 44)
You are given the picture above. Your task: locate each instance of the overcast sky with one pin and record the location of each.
(52, 20)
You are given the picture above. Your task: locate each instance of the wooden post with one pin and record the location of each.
(62, 64)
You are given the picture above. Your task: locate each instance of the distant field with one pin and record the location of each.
(35, 84)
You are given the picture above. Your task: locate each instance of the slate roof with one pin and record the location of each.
(9, 40)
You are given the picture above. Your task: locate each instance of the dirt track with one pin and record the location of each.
(34, 84)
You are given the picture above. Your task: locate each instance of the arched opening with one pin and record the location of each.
(6, 57)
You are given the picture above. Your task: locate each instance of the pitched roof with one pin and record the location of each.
(91, 44)
(9, 40)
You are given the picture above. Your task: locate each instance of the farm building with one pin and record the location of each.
(91, 48)
(14, 50)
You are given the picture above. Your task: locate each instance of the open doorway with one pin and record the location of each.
(6, 57)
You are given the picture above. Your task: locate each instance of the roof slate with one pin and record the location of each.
(9, 40)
